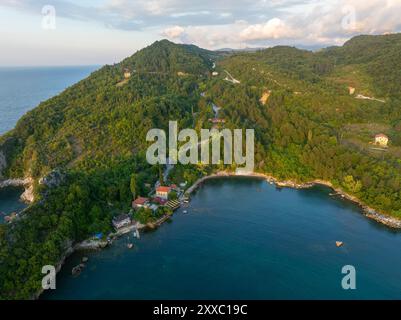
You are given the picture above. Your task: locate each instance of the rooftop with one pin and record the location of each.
(140, 201)
(163, 189)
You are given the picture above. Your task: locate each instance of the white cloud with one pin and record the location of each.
(215, 24)
(273, 29)
(173, 32)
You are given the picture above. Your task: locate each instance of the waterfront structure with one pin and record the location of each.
(173, 204)
(121, 221)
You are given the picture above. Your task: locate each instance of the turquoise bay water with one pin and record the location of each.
(9, 201)
(244, 239)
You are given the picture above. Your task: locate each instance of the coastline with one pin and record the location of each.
(91, 244)
(27, 183)
(367, 211)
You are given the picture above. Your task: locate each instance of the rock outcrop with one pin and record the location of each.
(16, 182)
(28, 195)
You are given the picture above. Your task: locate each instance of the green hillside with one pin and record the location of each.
(308, 127)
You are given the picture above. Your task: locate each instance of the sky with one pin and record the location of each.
(97, 32)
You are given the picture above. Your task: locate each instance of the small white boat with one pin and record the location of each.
(130, 245)
(185, 211)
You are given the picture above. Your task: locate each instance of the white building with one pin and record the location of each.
(381, 139)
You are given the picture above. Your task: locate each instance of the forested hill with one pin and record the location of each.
(106, 116)
(315, 116)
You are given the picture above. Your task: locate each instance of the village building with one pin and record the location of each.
(214, 73)
(127, 73)
(163, 192)
(351, 90)
(140, 202)
(381, 139)
(121, 221)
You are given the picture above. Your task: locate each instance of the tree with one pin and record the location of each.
(133, 185)
(172, 195)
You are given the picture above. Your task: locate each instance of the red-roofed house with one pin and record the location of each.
(139, 203)
(162, 192)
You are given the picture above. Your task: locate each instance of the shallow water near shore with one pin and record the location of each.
(10, 201)
(244, 239)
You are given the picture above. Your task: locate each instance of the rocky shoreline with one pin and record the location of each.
(28, 195)
(369, 212)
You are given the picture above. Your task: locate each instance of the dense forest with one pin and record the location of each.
(309, 126)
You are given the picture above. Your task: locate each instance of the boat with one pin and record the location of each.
(185, 211)
(339, 244)
(130, 245)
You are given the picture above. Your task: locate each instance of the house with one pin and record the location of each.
(174, 187)
(121, 221)
(381, 139)
(127, 73)
(140, 202)
(351, 90)
(163, 192)
(214, 73)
